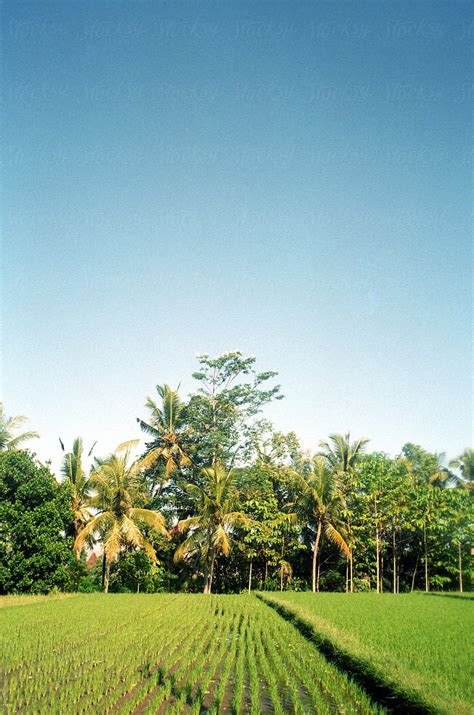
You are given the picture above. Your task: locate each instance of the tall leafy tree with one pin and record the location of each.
(8, 427)
(119, 521)
(209, 532)
(230, 394)
(35, 554)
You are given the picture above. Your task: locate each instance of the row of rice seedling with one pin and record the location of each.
(413, 646)
(149, 654)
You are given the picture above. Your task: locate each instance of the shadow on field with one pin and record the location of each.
(381, 690)
(457, 596)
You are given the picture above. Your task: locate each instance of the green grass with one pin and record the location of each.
(168, 654)
(418, 642)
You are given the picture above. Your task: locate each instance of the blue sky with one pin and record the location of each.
(289, 179)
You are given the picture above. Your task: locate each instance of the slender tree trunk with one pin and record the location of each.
(107, 575)
(317, 577)
(381, 573)
(138, 586)
(103, 571)
(351, 573)
(347, 575)
(460, 566)
(394, 545)
(266, 576)
(425, 545)
(414, 574)
(250, 575)
(315, 554)
(211, 575)
(377, 556)
(281, 567)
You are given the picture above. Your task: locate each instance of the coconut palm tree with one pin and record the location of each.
(118, 523)
(440, 475)
(8, 426)
(209, 534)
(342, 456)
(340, 453)
(322, 498)
(166, 427)
(465, 464)
(74, 475)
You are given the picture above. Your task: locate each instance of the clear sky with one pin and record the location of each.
(290, 179)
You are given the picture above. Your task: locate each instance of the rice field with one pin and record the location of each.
(421, 643)
(170, 653)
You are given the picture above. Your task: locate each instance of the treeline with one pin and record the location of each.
(221, 501)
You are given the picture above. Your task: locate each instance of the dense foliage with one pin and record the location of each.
(221, 501)
(35, 513)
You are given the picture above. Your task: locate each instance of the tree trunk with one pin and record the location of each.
(250, 575)
(266, 576)
(425, 544)
(414, 573)
(107, 574)
(281, 567)
(211, 575)
(103, 571)
(394, 545)
(377, 556)
(381, 573)
(138, 586)
(351, 573)
(315, 554)
(347, 575)
(317, 577)
(460, 566)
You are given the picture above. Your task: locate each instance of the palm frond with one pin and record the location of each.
(336, 537)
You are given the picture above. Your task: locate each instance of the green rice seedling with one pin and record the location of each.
(401, 641)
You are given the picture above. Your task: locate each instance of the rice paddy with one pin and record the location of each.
(170, 653)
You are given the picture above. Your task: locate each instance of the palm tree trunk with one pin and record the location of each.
(107, 574)
(460, 567)
(347, 575)
(250, 575)
(212, 571)
(315, 554)
(317, 577)
(103, 571)
(351, 573)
